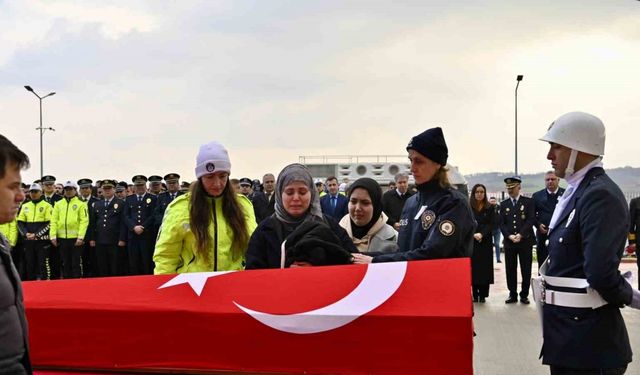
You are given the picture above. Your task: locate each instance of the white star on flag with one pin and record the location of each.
(196, 281)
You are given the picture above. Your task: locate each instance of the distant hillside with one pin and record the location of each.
(628, 178)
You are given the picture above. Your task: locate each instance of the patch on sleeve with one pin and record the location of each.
(427, 218)
(447, 228)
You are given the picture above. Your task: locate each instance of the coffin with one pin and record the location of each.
(388, 318)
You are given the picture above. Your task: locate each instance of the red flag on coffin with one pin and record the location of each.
(404, 317)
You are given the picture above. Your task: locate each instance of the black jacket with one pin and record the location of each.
(545, 204)
(518, 219)
(436, 223)
(162, 202)
(140, 213)
(587, 242)
(264, 249)
(392, 205)
(106, 224)
(14, 333)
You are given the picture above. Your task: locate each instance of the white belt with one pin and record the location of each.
(542, 295)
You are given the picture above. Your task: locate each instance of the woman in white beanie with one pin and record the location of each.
(208, 228)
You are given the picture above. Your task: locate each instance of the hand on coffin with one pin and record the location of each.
(361, 259)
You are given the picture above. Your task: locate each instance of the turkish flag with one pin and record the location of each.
(389, 318)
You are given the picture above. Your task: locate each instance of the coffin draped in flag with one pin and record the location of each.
(388, 318)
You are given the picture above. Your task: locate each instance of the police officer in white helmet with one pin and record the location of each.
(582, 290)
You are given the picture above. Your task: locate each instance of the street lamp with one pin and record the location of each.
(40, 98)
(518, 79)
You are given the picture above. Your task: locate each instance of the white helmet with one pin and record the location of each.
(578, 131)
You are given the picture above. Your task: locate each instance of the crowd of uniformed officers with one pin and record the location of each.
(82, 229)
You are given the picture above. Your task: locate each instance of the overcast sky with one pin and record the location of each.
(141, 84)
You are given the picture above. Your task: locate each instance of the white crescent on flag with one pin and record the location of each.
(378, 284)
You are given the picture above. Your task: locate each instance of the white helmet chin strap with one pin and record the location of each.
(571, 165)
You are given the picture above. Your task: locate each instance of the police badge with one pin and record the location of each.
(115, 206)
(447, 228)
(148, 200)
(427, 219)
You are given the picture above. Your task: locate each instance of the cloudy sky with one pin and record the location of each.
(141, 84)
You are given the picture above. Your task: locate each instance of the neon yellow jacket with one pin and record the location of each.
(176, 246)
(69, 219)
(10, 231)
(34, 218)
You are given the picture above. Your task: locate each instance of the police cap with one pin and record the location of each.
(512, 181)
(85, 182)
(139, 179)
(155, 179)
(171, 177)
(48, 179)
(111, 183)
(122, 186)
(245, 181)
(35, 187)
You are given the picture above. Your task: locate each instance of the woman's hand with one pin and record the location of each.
(361, 259)
(477, 236)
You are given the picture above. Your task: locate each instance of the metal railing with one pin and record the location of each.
(337, 159)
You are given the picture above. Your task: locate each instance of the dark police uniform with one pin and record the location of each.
(161, 206)
(139, 211)
(89, 262)
(587, 243)
(634, 229)
(518, 218)
(544, 203)
(435, 223)
(106, 228)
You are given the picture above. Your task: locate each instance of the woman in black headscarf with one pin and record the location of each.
(297, 233)
(365, 223)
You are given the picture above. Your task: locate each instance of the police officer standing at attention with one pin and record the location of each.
(517, 218)
(584, 333)
(173, 190)
(50, 195)
(436, 222)
(545, 202)
(88, 262)
(139, 220)
(107, 231)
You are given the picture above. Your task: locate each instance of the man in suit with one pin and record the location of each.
(107, 231)
(545, 202)
(393, 199)
(139, 220)
(517, 218)
(334, 204)
(269, 185)
(583, 330)
(257, 198)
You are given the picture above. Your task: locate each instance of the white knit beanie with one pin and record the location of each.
(212, 157)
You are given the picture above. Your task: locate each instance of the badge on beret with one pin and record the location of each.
(210, 167)
(148, 200)
(74, 207)
(447, 228)
(427, 219)
(115, 206)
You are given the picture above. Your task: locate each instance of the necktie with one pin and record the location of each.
(514, 202)
(333, 203)
(139, 198)
(173, 196)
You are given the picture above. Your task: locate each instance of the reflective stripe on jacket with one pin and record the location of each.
(176, 251)
(69, 219)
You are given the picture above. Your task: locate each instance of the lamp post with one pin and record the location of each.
(41, 129)
(518, 79)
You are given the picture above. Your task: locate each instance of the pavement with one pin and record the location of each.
(509, 337)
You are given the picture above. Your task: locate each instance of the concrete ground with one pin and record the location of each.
(509, 337)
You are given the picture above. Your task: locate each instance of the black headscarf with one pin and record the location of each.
(375, 192)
